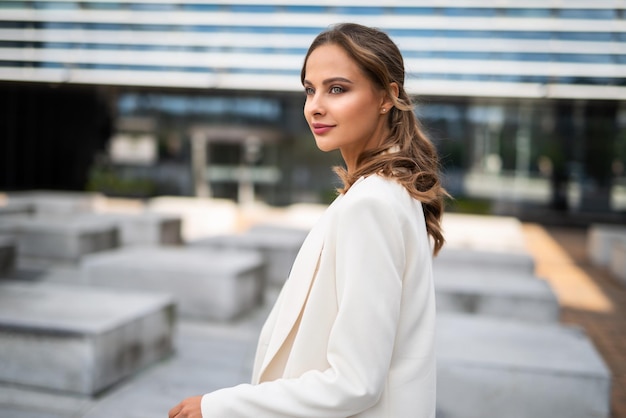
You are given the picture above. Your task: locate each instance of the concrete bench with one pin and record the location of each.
(489, 233)
(79, 340)
(600, 240)
(16, 210)
(10, 220)
(49, 202)
(514, 297)
(514, 261)
(63, 238)
(8, 254)
(618, 261)
(492, 368)
(145, 228)
(8, 228)
(208, 285)
(201, 217)
(278, 245)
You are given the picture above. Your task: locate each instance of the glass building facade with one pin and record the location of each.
(525, 101)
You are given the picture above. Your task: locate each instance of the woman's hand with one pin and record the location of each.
(189, 408)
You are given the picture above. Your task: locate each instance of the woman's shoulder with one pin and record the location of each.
(376, 190)
(376, 185)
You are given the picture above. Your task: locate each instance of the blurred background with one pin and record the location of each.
(138, 98)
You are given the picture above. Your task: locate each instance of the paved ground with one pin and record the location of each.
(589, 297)
(210, 356)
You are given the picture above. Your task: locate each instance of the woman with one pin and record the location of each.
(352, 332)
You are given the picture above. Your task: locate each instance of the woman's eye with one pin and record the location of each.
(308, 91)
(336, 90)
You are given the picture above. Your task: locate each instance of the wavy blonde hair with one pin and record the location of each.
(406, 155)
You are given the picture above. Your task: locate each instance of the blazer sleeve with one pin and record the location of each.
(369, 264)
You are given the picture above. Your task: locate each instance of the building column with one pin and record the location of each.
(198, 165)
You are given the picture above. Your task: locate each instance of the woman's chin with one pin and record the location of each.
(325, 147)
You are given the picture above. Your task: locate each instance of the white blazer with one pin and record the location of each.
(352, 331)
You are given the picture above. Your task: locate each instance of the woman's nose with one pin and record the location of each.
(313, 105)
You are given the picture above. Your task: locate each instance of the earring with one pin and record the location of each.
(384, 110)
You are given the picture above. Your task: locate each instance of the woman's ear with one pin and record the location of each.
(389, 102)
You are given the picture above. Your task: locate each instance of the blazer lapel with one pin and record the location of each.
(296, 290)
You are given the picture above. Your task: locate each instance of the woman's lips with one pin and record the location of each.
(320, 128)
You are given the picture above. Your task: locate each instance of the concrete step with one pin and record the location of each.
(65, 238)
(52, 202)
(8, 255)
(490, 368)
(516, 297)
(617, 265)
(278, 245)
(201, 217)
(79, 340)
(206, 284)
(9, 225)
(145, 228)
(11, 210)
(490, 233)
(600, 241)
(515, 262)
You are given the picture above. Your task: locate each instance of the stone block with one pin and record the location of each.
(278, 246)
(489, 233)
(492, 368)
(49, 202)
(618, 261)
(8, 254)
(201, 217)
(516, 297)
(65, 239)
(9, 225)
(600, 239)
(11, 213)
(16, 210)
(77, 339)
(515, 262)
(206, 284)
(146, 228)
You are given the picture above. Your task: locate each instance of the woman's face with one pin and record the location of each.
(343, 108)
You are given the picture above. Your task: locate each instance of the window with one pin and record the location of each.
(511, 12)
(587, 13)
(468, 12)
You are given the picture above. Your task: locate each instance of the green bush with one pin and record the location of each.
(469, 205)
(110, 183)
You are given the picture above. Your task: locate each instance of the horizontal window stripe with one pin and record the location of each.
(528, 4)
(319, 21)
(489, 56)
(271, 82)
(179, 38)
(557, 69)
(300, 41)
(516, 90)
(216, 60)
(152, 68)
(253, 31)
(415, 48)
(293, 62)
(267, 82)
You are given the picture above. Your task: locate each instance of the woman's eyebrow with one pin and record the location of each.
(330, 81)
